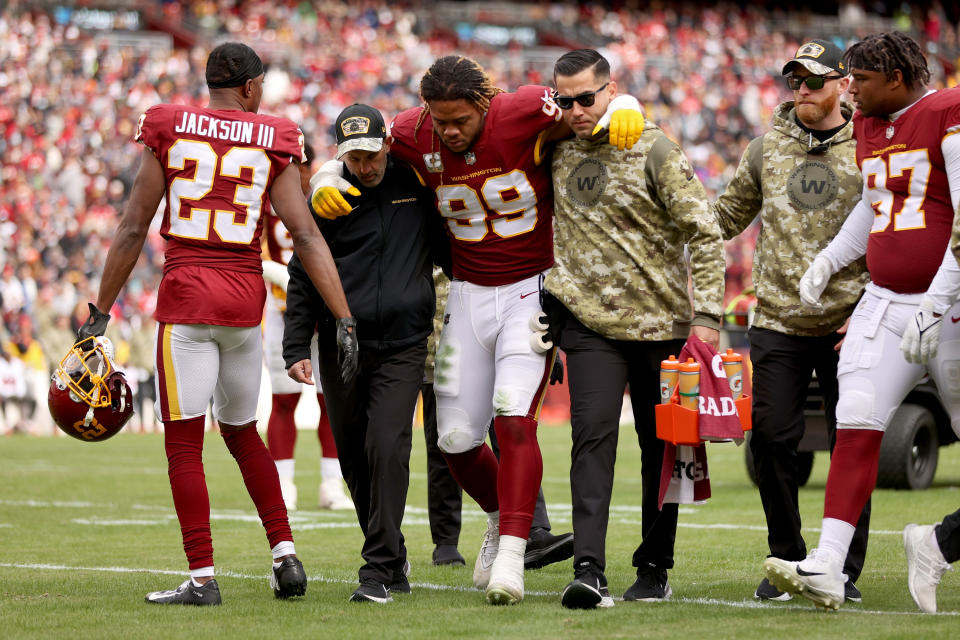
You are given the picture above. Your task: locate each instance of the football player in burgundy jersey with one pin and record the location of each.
(216, 167)
(281, 428)
(482, 151)
(909, 155)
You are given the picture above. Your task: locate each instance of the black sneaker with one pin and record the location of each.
(651, 586)
(371, 591)
(766, 591)
(400, 582)
(447, 555)
(851, 593)
(289, 579)
(187, 593)
(588, 590)
(543, 548)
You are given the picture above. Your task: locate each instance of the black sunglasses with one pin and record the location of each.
(584, 99)
(813, 82)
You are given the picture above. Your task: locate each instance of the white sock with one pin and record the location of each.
(835, 538)
(512, 544)
(202, 572)
(285, 469)
(284, 548)
(330, 469)
(494, 517)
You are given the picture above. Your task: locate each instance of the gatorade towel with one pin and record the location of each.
(684, 476)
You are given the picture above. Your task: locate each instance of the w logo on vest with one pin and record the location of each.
(587, 182)
(812, 185)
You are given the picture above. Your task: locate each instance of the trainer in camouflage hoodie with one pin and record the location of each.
(810, 189)
(621, 222)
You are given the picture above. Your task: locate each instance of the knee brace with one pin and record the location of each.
(505, 402)
(855, 408)
(454, 434)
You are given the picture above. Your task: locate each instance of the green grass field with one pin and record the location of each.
(87, 529)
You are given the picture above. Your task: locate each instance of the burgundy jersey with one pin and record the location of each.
(906, 183)
(218, 167)
(279, 240)
(279, 249)
(497, 196)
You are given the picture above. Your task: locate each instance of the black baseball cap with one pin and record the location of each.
(359, 127)
(819, 57)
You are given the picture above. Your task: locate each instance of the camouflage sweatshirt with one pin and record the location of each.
(621, 222)
(802, 199)
(441, 285)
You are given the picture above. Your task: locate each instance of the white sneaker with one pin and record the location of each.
(289, 492)
(488, 553)
(332, 495)
(925, 565)
(506, 575)
(814, 578)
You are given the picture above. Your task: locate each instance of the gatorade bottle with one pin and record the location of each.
(733, 367)
(669, 372)
(689, 383)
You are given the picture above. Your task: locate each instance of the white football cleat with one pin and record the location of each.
(332, 496)
(289, 492)
(814, 578)
(506, 575)
(925, 565)
(488, 553)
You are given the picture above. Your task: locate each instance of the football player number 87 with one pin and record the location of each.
(230, 226)
(510, 195)
(910, 215)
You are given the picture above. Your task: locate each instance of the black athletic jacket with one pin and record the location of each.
(384, 251)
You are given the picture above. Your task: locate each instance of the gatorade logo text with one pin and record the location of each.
(709, 406)
(690, 470)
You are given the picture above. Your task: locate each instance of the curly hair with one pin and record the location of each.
(456, 78)
(887, 52)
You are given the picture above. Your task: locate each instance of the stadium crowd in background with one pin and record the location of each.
(70, 100)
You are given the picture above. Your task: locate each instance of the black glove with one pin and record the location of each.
(95, 325)
(556, 374)
(348, 349)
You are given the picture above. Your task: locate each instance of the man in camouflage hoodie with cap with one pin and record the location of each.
(618, 303)
(802, 179)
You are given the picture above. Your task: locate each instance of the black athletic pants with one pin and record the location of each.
(444, 496)
(372, 424)
(598, 370)
(948, 537)
(782, 368)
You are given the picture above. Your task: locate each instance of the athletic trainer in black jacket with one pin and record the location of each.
(384, 254)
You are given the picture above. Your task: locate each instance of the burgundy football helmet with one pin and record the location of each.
(89, 398)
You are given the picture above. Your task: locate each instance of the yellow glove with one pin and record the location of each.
(624, 116)
(327, 189)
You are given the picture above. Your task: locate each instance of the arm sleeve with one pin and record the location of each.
(304, 305)
(740, 202)
(945, 286)
(850, 242)
(685, 200)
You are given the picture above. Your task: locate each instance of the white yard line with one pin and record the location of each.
(741, 604)
(307, 519)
